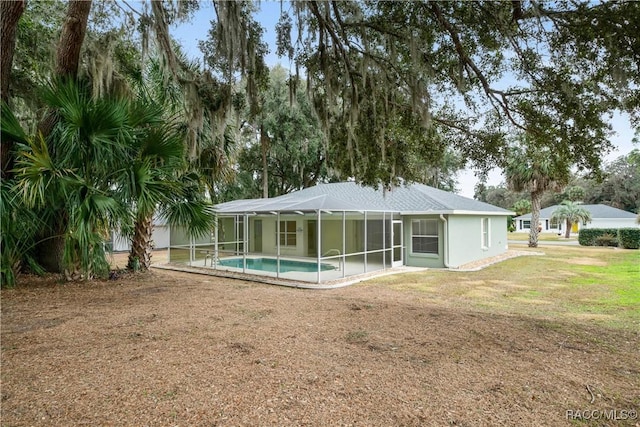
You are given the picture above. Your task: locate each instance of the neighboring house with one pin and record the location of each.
(332, 231)
(160, 237)
(602, 216)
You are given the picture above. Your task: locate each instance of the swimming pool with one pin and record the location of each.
(271, 264)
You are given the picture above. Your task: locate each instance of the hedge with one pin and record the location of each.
(627, 238)
(589, 236)
(607, 240)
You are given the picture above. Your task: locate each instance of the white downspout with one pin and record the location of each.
(446, 240)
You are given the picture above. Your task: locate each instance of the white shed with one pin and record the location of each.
(160, 237)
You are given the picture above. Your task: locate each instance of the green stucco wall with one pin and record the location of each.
(331, 231)
(465, 238)
(269, 224)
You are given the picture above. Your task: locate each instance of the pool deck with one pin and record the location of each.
(330, 284)
(340, 282)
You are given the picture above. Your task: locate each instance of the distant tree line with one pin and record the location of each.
(618, 186)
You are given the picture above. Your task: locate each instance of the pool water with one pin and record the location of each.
(270, 264)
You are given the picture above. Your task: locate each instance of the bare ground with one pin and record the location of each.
(171, 348)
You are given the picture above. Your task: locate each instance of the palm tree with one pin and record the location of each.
(176, 157)
(572, 213)
(107, 163)
(157, 180)
(66, 178)
(535, 170)
(18, 223)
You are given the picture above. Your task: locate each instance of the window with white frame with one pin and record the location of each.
(424, 236)
(525, 224)
(288, 236)
(485, 233)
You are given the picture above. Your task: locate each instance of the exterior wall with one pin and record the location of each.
(595, 223)
(269, 235)
(544, 222)
(161, 236)
(354, 235)
(119, 243)
(331, 234)
(418, 259)
(466, 239)
(331, 230)
(612, 223)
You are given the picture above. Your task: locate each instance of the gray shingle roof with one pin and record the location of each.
(597, 212)
(350, 196)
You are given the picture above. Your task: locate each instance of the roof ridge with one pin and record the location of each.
(350, 195)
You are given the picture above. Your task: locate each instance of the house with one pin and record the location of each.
(602, 216)
(332, 231)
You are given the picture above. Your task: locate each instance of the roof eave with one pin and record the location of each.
(458, 212)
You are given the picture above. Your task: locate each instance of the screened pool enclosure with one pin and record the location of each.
(338, 230)
(309, 246)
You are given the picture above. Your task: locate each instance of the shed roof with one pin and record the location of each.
(349, 196)
(598, 211)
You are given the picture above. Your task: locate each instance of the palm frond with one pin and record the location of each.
(11, 129)
(40, 179)
(19, 226)
(164, 144)
(198, 217)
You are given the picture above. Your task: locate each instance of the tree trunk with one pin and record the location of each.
(264, 143)
(67, 61)
(536, 198)
(71, 37)
(10, 13)
(68, 51)
(51, 253)
(567, 233)
(141, 245)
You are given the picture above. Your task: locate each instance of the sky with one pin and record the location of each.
(188, 34)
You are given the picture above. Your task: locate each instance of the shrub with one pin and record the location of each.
(606, 240)
(629, 238)
(588, 236)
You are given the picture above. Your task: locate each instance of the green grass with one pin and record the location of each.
(610, 288)
(542, 237)
(599, 285)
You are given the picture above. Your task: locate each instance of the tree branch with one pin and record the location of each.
(129, 6)
(327, 25)
(502, 102)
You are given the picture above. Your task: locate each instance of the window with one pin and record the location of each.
(525, 224)
(288, 235)
(485, 233)
(424, 236)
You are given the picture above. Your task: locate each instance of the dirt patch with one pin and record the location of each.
(171, 348)
(586, 261)
(511, 253)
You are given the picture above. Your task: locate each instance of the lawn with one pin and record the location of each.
(525, 342)
(584, 284)
(542, 237)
